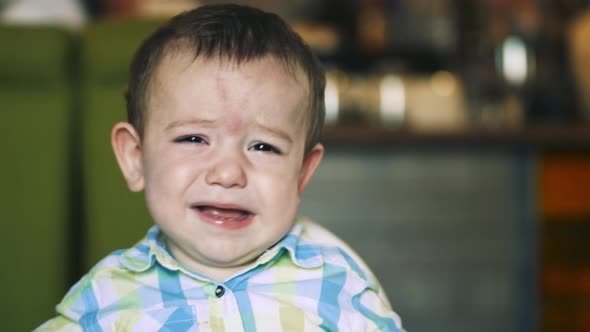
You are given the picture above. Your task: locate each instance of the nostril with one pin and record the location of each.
(227, 173)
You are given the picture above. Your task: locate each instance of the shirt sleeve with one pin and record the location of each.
(59, 324)
(376, 312)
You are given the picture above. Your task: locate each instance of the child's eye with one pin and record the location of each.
(190, 139)
(265, 148)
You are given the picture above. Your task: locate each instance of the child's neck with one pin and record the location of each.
(218, 274)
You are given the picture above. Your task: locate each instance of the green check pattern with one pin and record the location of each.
(308, 281)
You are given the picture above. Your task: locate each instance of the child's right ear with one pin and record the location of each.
(126, 144)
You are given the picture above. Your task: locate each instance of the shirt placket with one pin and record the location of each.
(225, 314)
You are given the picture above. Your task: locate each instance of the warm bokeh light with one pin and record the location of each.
(514, 61)
(392, 100)
(332, 100)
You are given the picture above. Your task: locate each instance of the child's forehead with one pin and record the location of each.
(170, 75)
(176, 62)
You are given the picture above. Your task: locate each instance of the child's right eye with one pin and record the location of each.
(190, 139)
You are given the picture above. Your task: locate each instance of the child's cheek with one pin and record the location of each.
(169, 175)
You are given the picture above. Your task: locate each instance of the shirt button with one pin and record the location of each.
(219, 291)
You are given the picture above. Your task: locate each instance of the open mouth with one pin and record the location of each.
(227, 216)
(223, 214)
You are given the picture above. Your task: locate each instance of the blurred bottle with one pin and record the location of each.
(550, 97)
(515, 63)
(372, 27)
(578, 36)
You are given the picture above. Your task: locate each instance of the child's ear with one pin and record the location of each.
(127, 147)
(310, 164)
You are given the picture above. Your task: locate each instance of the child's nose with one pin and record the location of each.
(227, 172)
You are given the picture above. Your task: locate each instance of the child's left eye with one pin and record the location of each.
(265, 148)
(191, 139)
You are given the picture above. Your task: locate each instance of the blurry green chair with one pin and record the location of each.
(35, 141)
(115, 217)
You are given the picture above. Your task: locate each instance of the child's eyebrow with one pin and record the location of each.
(210, 123)
(192, 122)
(276, 132)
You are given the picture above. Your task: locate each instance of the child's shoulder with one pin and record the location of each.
(96, 288)
(335, 251)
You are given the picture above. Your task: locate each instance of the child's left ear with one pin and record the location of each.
(310, 164)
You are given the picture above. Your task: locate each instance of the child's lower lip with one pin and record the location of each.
(231, 224)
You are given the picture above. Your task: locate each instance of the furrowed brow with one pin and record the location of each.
(277, 132)
(187, 123)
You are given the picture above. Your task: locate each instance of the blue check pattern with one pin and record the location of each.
(309, 281)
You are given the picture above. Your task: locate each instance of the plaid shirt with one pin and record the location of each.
(308, 281)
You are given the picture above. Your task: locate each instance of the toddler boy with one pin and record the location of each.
(225, 106)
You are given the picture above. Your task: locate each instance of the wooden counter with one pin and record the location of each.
(544, 138)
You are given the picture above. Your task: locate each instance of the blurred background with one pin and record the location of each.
(457, 136)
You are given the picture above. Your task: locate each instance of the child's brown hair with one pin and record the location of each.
(232, 32)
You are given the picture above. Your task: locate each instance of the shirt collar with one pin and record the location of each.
(145, 254)
(153, 248)
(301, 252)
